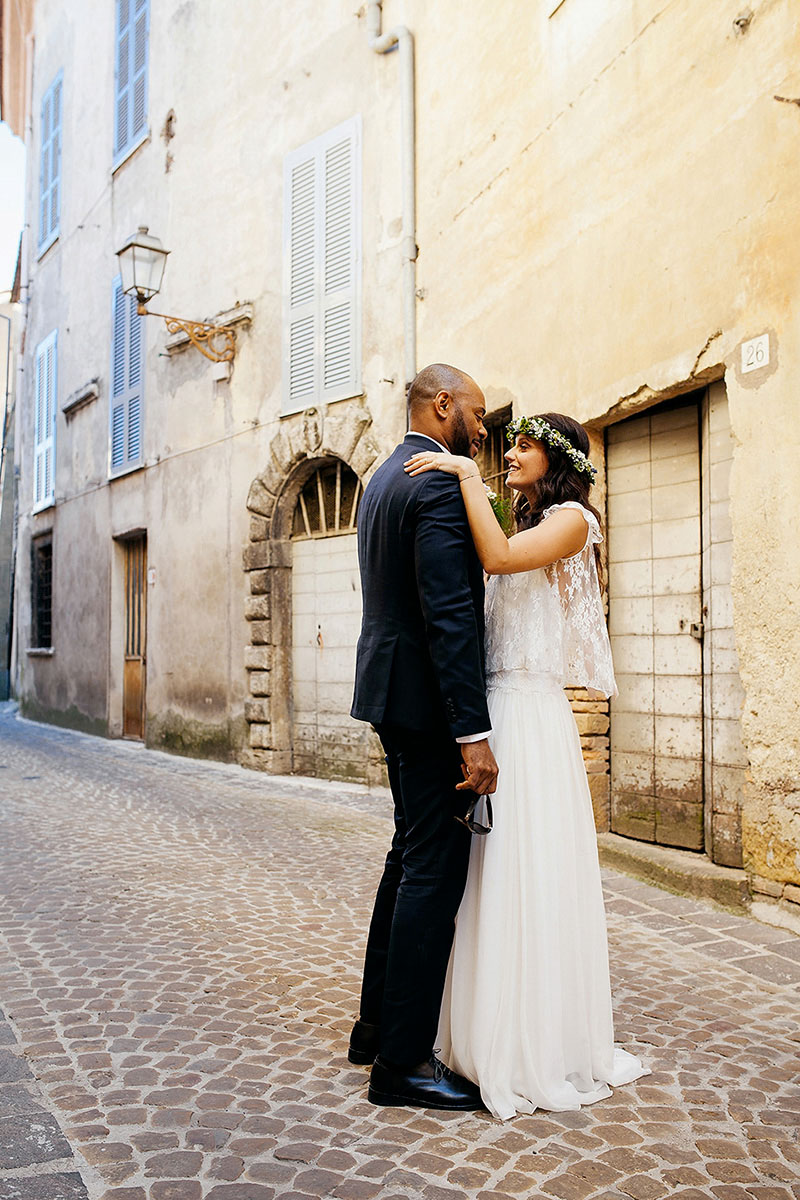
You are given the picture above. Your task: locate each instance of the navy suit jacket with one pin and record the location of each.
(419, 662)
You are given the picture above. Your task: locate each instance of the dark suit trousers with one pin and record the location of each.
(411, 932)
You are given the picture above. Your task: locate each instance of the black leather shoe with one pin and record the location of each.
(363, 1043)
(430, 1085)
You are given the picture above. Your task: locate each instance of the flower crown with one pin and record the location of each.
(541, 431)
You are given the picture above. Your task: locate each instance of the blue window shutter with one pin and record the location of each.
(134, 439)
(130, 109)
(55, 159)
(50, 166)
(139, 51)
(126, 381)
(44, 171)
(122, 118)
(118, 355)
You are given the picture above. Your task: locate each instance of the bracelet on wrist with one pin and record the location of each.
(472, 475)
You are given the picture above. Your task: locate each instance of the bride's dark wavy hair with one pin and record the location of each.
(562, 481)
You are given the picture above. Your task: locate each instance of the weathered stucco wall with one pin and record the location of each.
(615, 225)
(213, 192)
(606, 207)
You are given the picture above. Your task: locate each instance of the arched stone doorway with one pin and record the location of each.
(302, 510)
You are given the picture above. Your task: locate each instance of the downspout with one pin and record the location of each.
(381, 43)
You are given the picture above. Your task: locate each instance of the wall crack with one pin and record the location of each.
(709, 340)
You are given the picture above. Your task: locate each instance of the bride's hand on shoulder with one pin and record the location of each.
(431, 460)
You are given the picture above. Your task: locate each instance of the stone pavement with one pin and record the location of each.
(180, 950)
(36, 1160)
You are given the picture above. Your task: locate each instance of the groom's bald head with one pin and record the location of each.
(431, 380)
(447, 405)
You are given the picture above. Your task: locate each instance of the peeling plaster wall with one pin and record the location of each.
(243, 93)
(607, 206)
(620, 218)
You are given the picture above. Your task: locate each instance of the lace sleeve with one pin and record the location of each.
(574, 580)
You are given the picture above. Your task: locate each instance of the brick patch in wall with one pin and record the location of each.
(592, 718)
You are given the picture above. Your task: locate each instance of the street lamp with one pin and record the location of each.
(142, 260)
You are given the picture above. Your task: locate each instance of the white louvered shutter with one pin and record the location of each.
(322, 237)
(302, 283)
(38, 426)
(125, 417)
(340, 261)
(50, 419)
(45, 388)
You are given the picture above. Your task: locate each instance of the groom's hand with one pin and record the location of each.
(480, 768)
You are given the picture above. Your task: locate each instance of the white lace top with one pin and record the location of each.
(550, 621)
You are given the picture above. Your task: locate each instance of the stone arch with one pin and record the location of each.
(304, 442)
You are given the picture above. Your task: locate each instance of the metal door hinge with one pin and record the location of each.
(697, 629)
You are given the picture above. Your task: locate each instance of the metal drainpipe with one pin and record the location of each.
(402, 37)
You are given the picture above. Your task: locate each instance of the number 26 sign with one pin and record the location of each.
(755, 353)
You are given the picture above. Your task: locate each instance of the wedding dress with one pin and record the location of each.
(526, 1011)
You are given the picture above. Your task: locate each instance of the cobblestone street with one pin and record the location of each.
(180, 952)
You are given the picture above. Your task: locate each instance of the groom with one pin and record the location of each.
(420, 683)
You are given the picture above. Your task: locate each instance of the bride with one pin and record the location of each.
(526, 1011)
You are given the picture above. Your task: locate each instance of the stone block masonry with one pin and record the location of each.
(268, 561)
(592, 719)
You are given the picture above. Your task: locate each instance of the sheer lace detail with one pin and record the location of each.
(550, 621)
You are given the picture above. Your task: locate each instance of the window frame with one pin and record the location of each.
(331, 513)
(315, 151)
(495, 423)
(38, 543)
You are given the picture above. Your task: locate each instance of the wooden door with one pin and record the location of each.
(133, 680)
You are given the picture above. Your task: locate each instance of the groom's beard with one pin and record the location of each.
(459, 438)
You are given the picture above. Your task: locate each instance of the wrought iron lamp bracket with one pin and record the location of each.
(216, 342)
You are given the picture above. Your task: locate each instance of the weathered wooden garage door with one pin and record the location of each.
(326, 619)
(676, 755)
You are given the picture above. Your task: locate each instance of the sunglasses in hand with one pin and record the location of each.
(469, 817)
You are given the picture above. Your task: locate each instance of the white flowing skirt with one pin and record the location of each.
(526, 1011)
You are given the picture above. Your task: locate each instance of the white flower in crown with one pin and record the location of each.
(542, 431)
